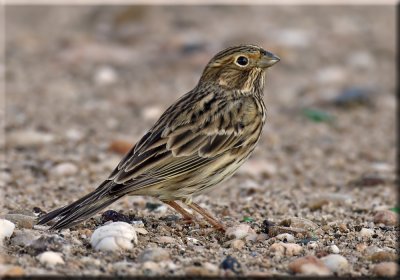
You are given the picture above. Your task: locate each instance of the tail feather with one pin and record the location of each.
(81, 209)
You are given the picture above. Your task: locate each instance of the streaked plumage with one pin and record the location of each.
(199, 141)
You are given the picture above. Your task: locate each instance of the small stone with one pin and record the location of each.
(105, 75)
(369, 180)
(383, 256)
(230, 263)
(154, 255)
(386, 217)
(152, 113)
(64, 169)
(330, 75)
(366, 232)
(165, 240)
(362, 60)
(111, 215)
(24, 238)
(343, 228)
(46, 243)
(256, 168)
(12, 271)
(361, 247)
(6, 230)
(120, 146)
(201, 271)
(150, 268)
(296, 222)
(385, 269)
(334, 249)
(309, 265)
(286, 249)
(21, 220)
(28, 138)
(237, 244)
(141, 230)
(353, 96)
(336, 263)
(285, 237)
(238, 232)
(50, 258)
(113, 237)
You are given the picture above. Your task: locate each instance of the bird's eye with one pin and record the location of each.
(242, 60)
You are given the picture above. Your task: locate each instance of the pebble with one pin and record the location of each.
(154, 254)
(256, 168)
(29, 138)
(199, 271)
(120, 146)
(382, 256)
(105, 75)
(230, 263)
(46, 243)
(336, 263)
(331, 75)
(334, 249)
(386, 217)
(286, 249)
(353, 96)
(385, 269)
(111, 215)
(366, 232)
(113, 237)
(152, 113)
(50, 258)
(309, 265)
(7, 270)
(64, 169)
(296, 222)
(285, 237)
(21, 220)
(237, 244)
(238, 232)
(24, 238)
(6, 230)
(150, 268)
(362, 60)
(165, 240)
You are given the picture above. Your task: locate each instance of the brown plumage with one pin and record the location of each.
(199, 141)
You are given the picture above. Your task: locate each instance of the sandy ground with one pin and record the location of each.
(82, 80)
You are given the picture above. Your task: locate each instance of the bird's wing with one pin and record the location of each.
(189, 140)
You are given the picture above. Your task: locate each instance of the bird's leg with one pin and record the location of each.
(187, 217)
(207, 216)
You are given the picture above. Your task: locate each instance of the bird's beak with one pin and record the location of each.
(267, 60)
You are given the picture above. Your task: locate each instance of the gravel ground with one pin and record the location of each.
(317, 197)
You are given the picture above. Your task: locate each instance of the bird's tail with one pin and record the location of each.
(81, 209)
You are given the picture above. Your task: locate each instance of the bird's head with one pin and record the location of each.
(239, 68)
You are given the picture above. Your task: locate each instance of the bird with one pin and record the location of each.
(198, 142)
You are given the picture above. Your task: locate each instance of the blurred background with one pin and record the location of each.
(84, 83)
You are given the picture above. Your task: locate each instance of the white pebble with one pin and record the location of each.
(334, 249)
(336, 263)
(330, 75)
(287, 249)
(6, 229)
(366, 232)
(105, 76)
(239, 232)
(285, 237)
(152, 113)
(29, 138)
(50, 258)
(65, 169)
(113, 237)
